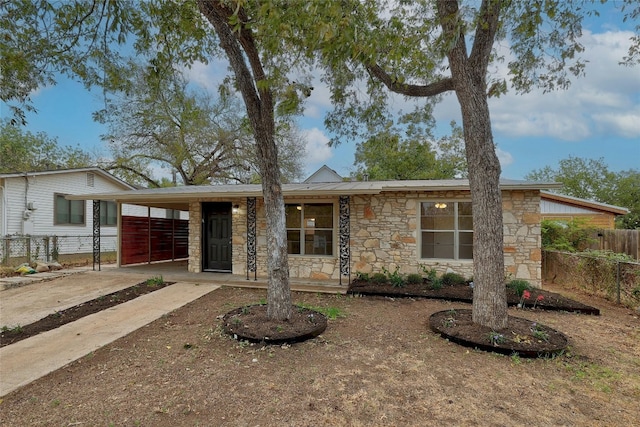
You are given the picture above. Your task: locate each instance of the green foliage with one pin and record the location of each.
(495, 338)
(330, 312)
(414, 278)
(12, 329)
(395, 278)
(379, 278)
(539, 333)
(154, 281)
(592, 180)
(610, 255)
(431, 273)
(450, 278)
(165, 121)
(435, 284)
(362, 276)
(572, 236)
(519, 286)
(22, 151)
(386, 156)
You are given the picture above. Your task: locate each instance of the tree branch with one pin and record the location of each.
(436, 88)
(486, 29)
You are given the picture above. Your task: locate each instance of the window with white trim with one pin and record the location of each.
(68, 212)
(310, 228)
(446, 230)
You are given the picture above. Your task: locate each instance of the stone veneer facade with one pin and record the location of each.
(384, 232)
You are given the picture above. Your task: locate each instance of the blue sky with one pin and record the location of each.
(598, 117)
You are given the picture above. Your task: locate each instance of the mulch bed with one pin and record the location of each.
(464, 293)
(522, 336)
(62, 317)
(250, 323)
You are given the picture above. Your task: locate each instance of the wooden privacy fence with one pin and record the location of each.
(619, 241)
(153, 239)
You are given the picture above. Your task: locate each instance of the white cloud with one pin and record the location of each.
(317, 146)
(604, 101)
(626, 124)
(504, 157)
(209, 76)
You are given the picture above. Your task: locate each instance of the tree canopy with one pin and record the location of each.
(592, 179)
(162, 120)
(389, 156)
(23, 151)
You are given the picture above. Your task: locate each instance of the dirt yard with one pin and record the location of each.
(377, 364)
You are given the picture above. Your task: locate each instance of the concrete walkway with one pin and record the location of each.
(32, 358)
(24, 300)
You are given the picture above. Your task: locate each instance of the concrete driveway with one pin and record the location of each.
(24, 300)
(32, 358)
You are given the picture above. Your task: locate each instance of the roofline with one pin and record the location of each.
(618, 210)
(345, 188)
(97, 170)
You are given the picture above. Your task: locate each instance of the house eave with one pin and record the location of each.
(182, 195)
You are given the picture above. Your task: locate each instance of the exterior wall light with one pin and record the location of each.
(235, 209)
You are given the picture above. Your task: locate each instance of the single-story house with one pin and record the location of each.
(559, 207)
(336, 229)
(34, 204)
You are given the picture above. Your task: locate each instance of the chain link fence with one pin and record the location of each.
(16, 250)
(614, 279)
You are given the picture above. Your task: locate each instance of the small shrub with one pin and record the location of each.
(519, 286)
(154, 281)
(431, 273)
(362, 276)
(395, 278)
(449, 279)
(436, 284)
(414, 278)
(539, 333)
(572, 236)
(496, 338)
(379, 278)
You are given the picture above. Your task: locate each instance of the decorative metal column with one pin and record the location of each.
(251, 238)
(345, 248)
(96, 234)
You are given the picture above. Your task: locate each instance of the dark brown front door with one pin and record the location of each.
(217, 236)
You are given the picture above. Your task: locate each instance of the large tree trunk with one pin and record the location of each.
(469, 82)
(489, 295)
(251, 80)
(278, 291)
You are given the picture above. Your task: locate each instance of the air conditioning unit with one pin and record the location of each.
(32, 206)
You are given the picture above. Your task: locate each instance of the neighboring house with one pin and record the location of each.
(336, 229)
(36, 204)
(324, 174)
(559, 207)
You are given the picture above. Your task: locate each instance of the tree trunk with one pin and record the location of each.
(278, 291)
(489, 296)
(242, 52)
(468, 72)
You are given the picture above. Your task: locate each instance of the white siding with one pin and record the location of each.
(41, 189)
(551, 207)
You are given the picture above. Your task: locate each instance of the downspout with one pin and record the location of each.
(4, 223)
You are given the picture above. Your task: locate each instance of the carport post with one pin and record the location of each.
(96, 234)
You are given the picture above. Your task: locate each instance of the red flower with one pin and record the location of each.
(540, 297)
(526, 294)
